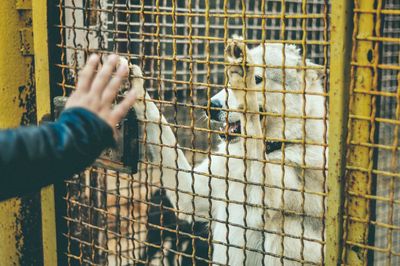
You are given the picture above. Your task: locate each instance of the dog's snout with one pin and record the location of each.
(214, 113)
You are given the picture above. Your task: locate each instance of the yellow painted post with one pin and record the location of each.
(12, 68)
(43, 98)
(341, 30)
(14, 78)
(18, 101)
(360, 158)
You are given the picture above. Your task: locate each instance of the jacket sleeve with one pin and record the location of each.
(33, 157)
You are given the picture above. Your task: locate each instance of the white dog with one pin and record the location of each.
(266, 207)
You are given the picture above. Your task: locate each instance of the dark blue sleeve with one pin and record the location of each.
(33, 157)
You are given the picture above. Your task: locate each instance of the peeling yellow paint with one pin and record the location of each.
(14, 75)
(338, 95)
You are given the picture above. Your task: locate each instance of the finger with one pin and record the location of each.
(87, 74)
(113, 87)
(122, 109)
(103, 76)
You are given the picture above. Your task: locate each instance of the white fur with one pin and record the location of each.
(269, 230)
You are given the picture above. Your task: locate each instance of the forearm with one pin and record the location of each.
(34, 157)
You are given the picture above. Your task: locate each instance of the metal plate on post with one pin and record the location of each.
(23, 4)
(124, 158)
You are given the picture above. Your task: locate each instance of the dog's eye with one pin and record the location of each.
(259, 79)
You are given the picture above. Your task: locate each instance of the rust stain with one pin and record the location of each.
(27, 99)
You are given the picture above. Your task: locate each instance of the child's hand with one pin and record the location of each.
(97, 91)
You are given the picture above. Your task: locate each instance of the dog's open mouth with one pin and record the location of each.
(229, 133)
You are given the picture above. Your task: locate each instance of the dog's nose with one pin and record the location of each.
(214, 114)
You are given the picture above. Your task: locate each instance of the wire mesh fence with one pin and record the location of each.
(375, 59)
(236, 172)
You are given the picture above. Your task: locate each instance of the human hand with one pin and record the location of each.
(96, 91)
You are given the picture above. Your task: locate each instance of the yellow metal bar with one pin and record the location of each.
(17, 107)
(341, 21)
(8, 229)
(360, 157)
(43, 98)
(12, 79)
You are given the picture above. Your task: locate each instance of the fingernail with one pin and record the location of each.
(93, 57)
(124, 66)
(113, 57)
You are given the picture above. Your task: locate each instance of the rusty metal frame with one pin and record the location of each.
(363, 173)
(341, 21)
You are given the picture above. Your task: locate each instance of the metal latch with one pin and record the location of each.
(124, 158)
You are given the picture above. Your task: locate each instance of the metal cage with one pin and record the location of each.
(350, 48)
(371, 224)
(180, 47)
(123, 219)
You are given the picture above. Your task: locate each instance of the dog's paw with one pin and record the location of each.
(238, 57)
(125, 85)
(123, 61)
(235, 51)
(137, 79)
(241, 73)
(136, 83)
